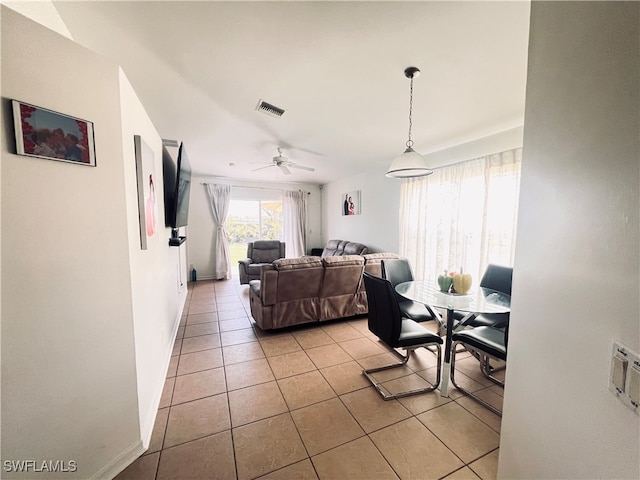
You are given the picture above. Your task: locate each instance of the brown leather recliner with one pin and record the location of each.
(259, 253)
(287, 293)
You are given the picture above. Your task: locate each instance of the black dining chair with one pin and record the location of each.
(386, 321)
(495, 277)
(398, 270)
(487, 343)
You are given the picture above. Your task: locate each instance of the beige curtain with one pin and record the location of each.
(219, 199)
(294, 223)
(461, 216)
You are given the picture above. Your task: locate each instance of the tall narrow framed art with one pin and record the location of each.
(145, 174)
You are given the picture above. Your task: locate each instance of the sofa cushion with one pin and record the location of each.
(376, 257)
(343, 260)
(353, 248)
(372, 262)
(265, 255)
(297, 263)
(343, 247)
(342, 275)
(333, 247)
(266, 245)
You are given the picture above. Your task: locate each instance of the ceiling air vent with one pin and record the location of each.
(269, 109)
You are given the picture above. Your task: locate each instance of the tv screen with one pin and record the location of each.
(183, 188)
(177, 187)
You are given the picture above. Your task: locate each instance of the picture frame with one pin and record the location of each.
(147, 204)
(43, 133)
(350, 203)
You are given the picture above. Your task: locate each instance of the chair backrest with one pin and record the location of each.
(385, 319)
(373, 262)
(265, 251)
(396, 270)
(498, 278)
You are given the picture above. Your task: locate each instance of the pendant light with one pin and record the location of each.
(410, 163)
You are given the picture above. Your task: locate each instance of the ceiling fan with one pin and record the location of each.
(284, 164)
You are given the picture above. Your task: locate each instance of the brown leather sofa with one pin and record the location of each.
(343, 247)
(309, 289)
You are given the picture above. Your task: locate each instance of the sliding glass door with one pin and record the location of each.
(254, 214)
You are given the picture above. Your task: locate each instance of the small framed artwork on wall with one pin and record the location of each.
(350, 202)
(47, 134)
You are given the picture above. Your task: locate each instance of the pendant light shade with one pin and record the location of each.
(410, 163)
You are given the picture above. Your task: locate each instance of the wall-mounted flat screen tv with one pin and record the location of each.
(177, 186)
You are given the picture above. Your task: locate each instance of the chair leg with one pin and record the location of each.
(386, 395)
(487, 370)
(463, 390)
(485, 364)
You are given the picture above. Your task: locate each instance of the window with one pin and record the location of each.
(462, 216)
(254, 214)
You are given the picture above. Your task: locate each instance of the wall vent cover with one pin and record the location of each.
(269, 109)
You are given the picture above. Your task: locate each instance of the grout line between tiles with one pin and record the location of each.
(260, 337)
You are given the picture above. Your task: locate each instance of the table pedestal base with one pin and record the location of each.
(444, 380)
(446, 364)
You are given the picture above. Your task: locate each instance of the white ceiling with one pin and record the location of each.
(200, 69)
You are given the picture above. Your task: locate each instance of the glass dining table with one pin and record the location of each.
(482, 300)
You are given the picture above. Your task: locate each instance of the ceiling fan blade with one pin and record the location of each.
(285, 170)
(301, 167)
(262, 168)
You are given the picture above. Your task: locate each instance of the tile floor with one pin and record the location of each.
(240, 403)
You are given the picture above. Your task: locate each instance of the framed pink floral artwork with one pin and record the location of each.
(145, 175)
(47, 134)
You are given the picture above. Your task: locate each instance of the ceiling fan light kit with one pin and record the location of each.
(409, 163)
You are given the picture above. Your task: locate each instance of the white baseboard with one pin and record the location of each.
(127, 457)
(119, 463)
(150, 417)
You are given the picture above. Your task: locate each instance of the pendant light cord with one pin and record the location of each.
(410, 142)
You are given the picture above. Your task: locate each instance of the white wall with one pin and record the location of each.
(200, 233)
(496, 143)
(379, 223)
(41, 11)
(80, 301)
(576, 275)
(68, 367)
(158, 274)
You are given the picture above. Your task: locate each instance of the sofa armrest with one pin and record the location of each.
(254, 286)
(268, 285)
